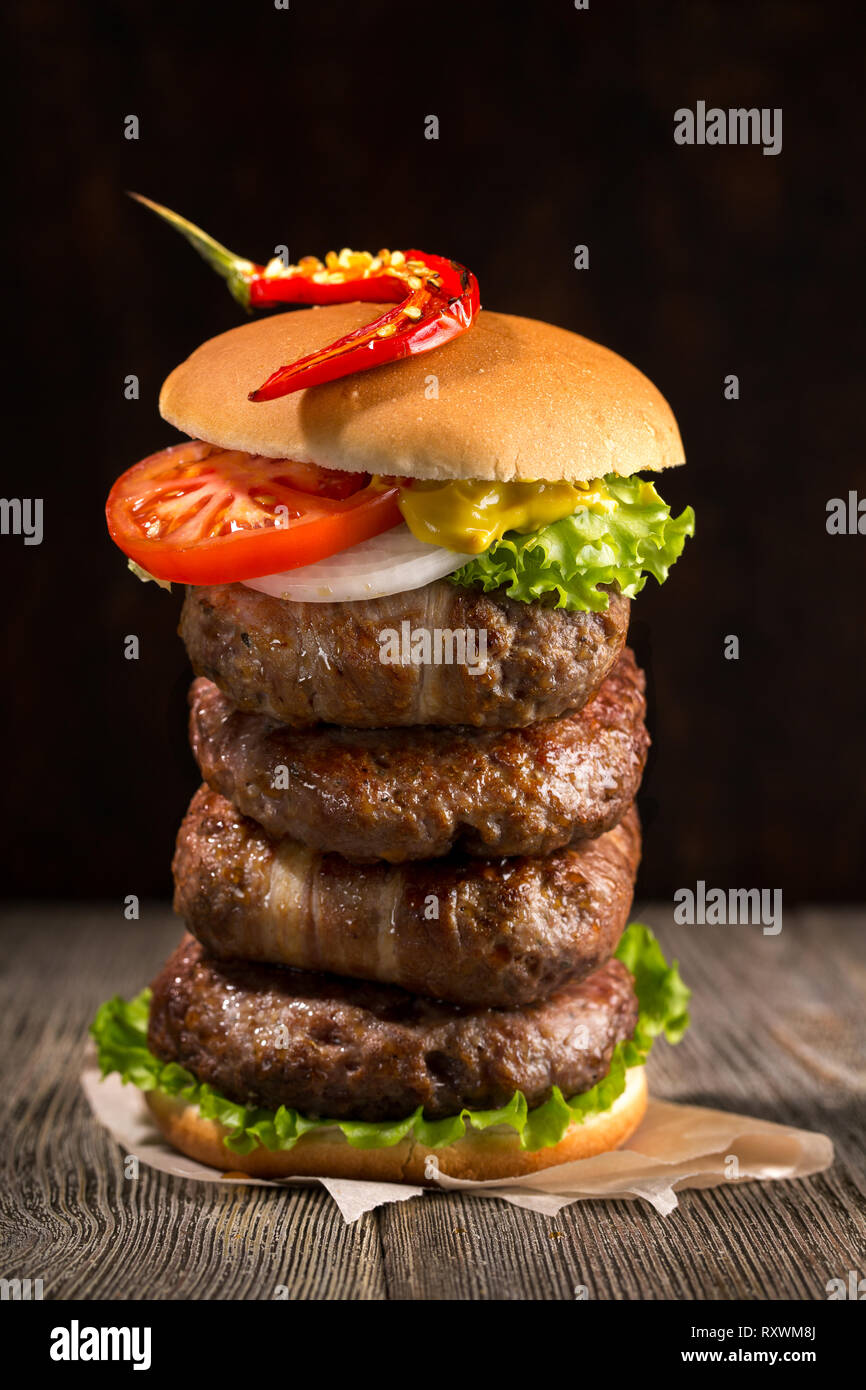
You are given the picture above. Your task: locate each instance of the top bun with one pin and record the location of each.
(511, 399)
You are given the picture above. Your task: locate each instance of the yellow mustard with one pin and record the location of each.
(468, 516)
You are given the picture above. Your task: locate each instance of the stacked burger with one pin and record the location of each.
(406, 877)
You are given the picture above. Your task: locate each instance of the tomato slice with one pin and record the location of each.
(197, 514)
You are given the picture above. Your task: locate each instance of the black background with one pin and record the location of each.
(306, 127)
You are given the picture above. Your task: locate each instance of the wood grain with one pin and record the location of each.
(777, 1031)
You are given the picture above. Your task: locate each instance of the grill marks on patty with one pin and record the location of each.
(496, 932)
(305, 663)
(399, 794)
(267, 1036)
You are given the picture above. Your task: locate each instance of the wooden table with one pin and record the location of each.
(777, 1031)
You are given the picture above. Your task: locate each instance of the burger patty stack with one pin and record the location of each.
(407, 874)
(474, 882)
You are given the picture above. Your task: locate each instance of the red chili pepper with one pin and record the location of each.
(437, 300)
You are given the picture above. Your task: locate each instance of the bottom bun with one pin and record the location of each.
(478, 1156)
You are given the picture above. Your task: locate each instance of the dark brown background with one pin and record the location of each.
(306, 127)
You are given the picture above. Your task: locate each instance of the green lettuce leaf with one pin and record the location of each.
(572, 557)
(120, 1032)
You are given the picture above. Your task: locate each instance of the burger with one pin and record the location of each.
(406, 878)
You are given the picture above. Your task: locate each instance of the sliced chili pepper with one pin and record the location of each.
(441, 302)
(437, 299)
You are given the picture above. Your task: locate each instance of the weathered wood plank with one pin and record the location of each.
(67, 1213)
(778, 1032)
(752, 994)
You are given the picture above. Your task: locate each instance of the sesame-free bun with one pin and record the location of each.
(512, 398)
(479, 1156)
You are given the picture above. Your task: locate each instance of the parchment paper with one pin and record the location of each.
(676, 1146)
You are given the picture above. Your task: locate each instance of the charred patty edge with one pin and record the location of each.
(326, 1047)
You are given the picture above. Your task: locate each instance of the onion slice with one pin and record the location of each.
(391, 563)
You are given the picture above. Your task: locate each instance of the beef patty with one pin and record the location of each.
(267, 1036)
(305, 663)
(400, 794)
(494, 932)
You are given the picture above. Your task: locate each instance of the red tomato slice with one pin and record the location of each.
(197, 514)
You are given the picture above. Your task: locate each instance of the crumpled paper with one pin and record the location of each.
(677, 1146)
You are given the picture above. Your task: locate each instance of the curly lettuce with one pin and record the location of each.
(120, 1032)
(620, 545)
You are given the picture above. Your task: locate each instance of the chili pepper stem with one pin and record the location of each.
(234, 269)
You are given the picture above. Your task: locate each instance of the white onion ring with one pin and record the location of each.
(391, 563)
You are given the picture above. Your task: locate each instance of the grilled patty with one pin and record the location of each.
(266, 1036)
(496, 932)
(305, 663)
(400, 794)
